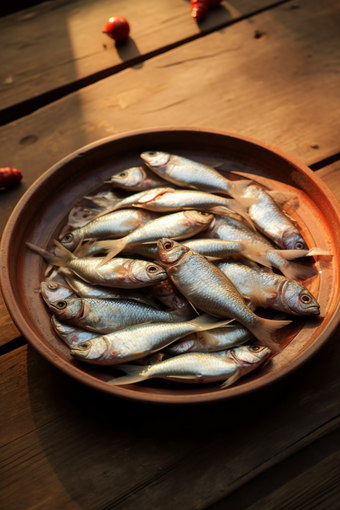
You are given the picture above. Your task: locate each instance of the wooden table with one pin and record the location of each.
(260, 68)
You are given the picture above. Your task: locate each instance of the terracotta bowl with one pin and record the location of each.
(42, 212)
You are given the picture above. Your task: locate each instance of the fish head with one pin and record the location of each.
(157, 160)
(90, 350)
(246, 355)
(67, 309)
(293, 241)
(128, 178)
(170, 252)
(147, 272)
(54, 291)
(71, 240)
(199, 217)
(299, 300)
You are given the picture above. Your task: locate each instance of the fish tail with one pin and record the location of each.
(318, 251)
(133, 374)
(264, 330)
(282, 197)
(206, 321)
(112, 247)
(296, 271)
(59, 257)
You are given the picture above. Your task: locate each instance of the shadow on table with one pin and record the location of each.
(110, 453)
(128, 50)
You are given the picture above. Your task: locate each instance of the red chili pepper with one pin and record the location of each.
(9, 176)
(199, 8)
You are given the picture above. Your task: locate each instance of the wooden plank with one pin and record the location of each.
(66, 445)
(8, 330)
(211, 82)
(331, 176)
(68, 37)
(318, 487)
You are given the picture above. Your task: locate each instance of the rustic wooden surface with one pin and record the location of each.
(63, 445)
(69, 39)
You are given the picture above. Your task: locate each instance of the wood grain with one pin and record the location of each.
(67, 445)
(8, 330)
(57, 43)
(229, 79)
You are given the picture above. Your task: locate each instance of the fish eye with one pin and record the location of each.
(204, 213)
(52, 286)
(299, 246)
(152, 269)
(167, 245)
(67, 238)
(61, 305)
(255, 348)
(83, 346)
(152, 153)
(305, 298)
(123, 174)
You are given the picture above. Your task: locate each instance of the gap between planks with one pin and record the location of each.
(33, 104)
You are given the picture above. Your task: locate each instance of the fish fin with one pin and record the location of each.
(256, 252)
(238, 208)
(318, 251)
(282, 197)
(210, 339)
(113, 247)
(237, 189)
(260, 295)
(296, 271)
(265, 329)
(134, 374)
(183, 314)
(294, 254)
(231, 379)
(206, 321)
(59, 257)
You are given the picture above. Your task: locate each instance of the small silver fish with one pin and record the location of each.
(105, 316)
(139, 340)
(272, 221)
(179, 225)
(112, 225)
(170, 200)
(269, 290)
(87, 290)
(208, 289)
(218, 340)
(136, 178)
(193, 368)
(120, 273)
(190, 174)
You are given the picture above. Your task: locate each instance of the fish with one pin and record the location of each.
(71, 335)
(87, 290)
(112, 225)
(170, 200)
(136, 178)
(52, 291)
(190, 174)
(168, 294)
(120, 272)
(209, 290)
(271, 220)
(108, 315)
(269, 290)
(178, 225)
(138, 341)
(260, 249)
(221, 339)
(263, 254)
(194, 367)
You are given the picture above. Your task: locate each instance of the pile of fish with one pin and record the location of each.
(170, 276)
